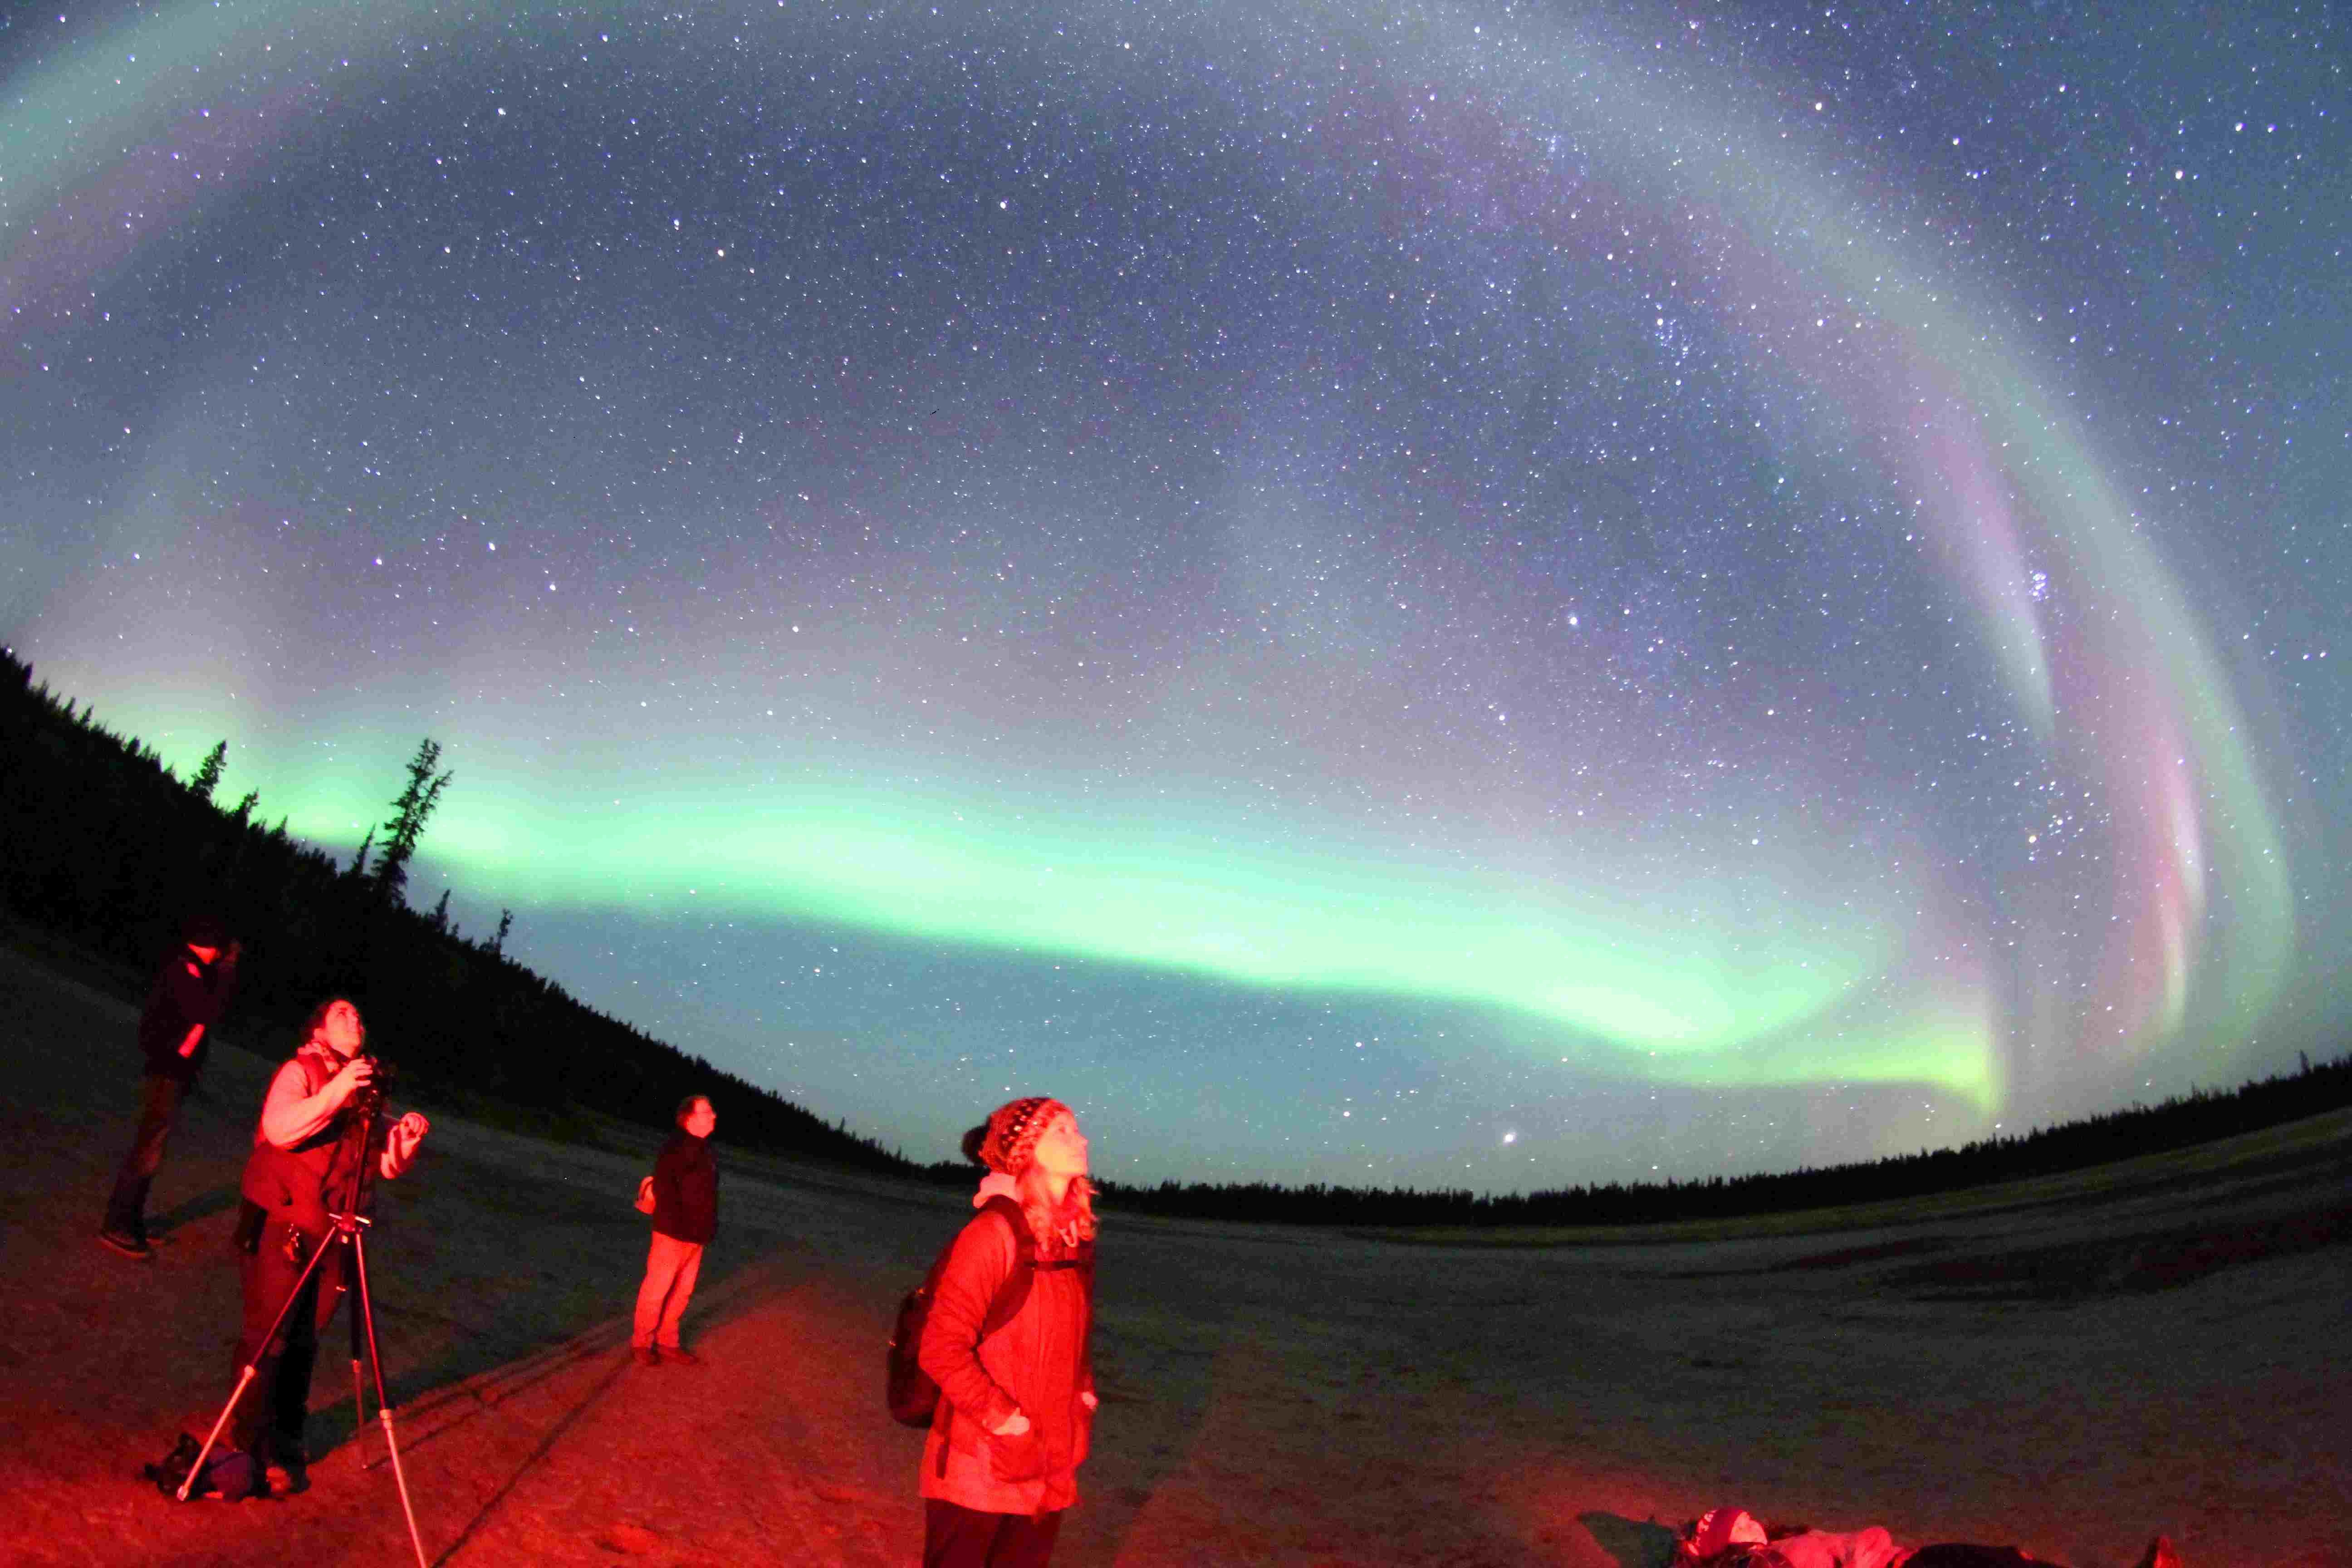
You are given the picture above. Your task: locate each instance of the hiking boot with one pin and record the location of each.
(128, 1243)
(644, 1355)
(679, 1356)
(286, 1479)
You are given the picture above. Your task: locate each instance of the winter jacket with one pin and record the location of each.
(302, 1183)
(1871, 1548)
(1035, 1364)
(186, 993)
(686, 1189)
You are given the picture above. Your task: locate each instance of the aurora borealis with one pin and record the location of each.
(1488, 596)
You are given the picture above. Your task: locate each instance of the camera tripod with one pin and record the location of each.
(345, 1239)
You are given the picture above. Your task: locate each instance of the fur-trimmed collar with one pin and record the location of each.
(996, 1185)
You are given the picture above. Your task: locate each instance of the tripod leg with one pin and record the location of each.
(359, 1385)
(196, 1468)
(359, 1408)
(400, 1481)
(365, 1319)
(245, 1379)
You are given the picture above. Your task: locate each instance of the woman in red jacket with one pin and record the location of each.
(1016, 1408)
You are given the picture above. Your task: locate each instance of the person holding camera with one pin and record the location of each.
(191, 990)
(321, 1119)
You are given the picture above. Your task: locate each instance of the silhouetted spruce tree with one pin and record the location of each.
(208, 774)
(243, 811)
(441, 912)
(506, 924)
(409, 813)
(359, 861)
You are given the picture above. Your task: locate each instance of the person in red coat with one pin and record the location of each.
(686, 1216)
(1016, 1409)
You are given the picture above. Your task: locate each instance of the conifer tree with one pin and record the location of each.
(441, 912)
(245, 807)
(208, 776)
(506, 924)
(409, 812)
(359, 861)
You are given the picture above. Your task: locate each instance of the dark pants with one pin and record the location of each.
(955, 1537)
(158, 1112)
(270, 1414)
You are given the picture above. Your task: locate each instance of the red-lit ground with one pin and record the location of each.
(2072, 1376)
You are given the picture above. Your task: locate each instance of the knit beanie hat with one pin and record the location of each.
(1008, 1142)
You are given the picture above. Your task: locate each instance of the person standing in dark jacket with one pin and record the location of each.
(686, 1216)
(191, 990)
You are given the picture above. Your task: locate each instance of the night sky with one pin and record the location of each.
(1481, 595)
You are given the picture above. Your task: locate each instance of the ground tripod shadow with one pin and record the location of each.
(547, 1444)
(538, 1335)
(550, 1281)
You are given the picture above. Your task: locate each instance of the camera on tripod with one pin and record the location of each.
(370, 1099)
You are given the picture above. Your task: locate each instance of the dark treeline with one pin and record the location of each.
(2200, 1117)
(102, 845)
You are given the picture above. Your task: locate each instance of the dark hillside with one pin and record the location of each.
(103, 849)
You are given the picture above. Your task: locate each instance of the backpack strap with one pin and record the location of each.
(1014, 1294)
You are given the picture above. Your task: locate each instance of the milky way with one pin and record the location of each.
(1486, 596)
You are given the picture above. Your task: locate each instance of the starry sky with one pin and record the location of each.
(1484, 595)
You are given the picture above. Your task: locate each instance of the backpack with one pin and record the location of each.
(911, 1393)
